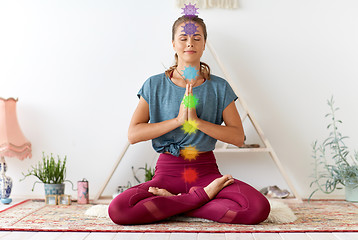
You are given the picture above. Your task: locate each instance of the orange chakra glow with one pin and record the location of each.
(189, 153)
(190, 175)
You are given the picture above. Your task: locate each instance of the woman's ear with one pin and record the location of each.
(173, 43)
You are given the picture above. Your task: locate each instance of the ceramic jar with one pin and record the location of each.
(54, 189)
(5, 182)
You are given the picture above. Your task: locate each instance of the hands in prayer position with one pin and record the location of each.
(187, 112)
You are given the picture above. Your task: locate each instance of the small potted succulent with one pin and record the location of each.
(332, 166)
(50, 172)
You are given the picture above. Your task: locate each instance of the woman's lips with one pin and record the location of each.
(190, 52)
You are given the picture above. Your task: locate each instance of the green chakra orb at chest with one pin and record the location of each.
(190, 101)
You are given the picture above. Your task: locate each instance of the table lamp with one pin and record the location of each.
(12, 144)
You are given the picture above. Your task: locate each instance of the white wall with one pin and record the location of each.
(76, 67)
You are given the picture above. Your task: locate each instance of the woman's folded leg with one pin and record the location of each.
(138, 206)
(238, 203)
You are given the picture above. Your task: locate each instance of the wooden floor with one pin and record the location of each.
(7, 235)
(174, 236)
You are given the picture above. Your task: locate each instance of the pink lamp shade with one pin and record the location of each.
(12, 141)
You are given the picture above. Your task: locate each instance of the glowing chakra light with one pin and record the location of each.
(190, 10)
(190, 101)
(190, 175)
(189, 28)
(190, 126)
(190, 72)
(190, 153)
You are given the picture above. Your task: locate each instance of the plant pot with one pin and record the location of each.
(54, 189)
(351, 192)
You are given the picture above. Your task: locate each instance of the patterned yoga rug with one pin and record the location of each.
(35, 215)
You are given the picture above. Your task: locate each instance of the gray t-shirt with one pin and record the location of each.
(164, 99)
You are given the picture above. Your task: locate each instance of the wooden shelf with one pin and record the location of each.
(243, 150)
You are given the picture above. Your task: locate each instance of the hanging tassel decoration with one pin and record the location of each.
(226, 4)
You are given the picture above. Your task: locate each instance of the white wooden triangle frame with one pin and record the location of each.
(267, 148)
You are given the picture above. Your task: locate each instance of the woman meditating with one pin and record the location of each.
(181, 111)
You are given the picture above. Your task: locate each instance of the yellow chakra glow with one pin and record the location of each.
(189, 153)
(190, 126)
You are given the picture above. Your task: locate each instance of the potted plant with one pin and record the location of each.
(148, 173)
(51, 173)
(332, 165)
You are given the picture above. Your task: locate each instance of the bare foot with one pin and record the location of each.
(215, 186)
(159, 192)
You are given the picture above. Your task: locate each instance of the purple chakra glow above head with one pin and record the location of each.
(190, 28)
(190, 10)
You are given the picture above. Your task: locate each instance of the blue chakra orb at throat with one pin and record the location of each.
(190, 73)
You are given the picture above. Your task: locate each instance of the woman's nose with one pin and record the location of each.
(190, 42)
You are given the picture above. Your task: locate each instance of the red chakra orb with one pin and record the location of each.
(190, 175)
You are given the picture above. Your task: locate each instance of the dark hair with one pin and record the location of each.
(204, 68)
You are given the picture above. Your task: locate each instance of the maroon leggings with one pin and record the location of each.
(236, 203)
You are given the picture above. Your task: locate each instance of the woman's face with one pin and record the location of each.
(189, 48)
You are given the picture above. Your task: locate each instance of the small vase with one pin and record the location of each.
(54, 189)
(351, 192)
(5, 182)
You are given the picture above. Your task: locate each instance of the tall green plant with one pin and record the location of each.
(332, 167)
(49, 171)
